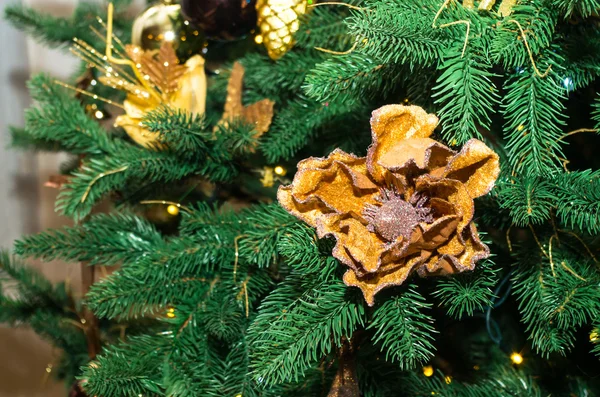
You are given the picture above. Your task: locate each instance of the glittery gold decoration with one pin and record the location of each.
(270, 175)
(156, 25)
(406, 207)
(267, 177)
(506, 7)
(150, 78)
(486, 4)
(259, 114)
(179, 86)
(504, 10)
(278, 20)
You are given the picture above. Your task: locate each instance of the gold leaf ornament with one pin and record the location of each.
(278, 20)
(258, 114)
(407, 207)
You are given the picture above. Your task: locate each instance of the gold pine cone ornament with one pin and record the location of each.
(278, 20)
(406, 207)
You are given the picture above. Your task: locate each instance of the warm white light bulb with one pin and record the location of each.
(169, 35)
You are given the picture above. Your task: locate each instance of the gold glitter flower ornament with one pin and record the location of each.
(407, 206)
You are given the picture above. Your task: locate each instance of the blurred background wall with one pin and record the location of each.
(26, 206)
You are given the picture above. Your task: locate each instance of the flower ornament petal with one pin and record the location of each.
(452, 192)
(364, 249)
(477, 166)
(192, 82)
(457, 256)
(131, 121)
(407, 207)
(336, 184)
(391, 125)
(375, 282)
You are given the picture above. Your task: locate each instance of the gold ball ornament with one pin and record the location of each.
(156, 25)
(278, 20)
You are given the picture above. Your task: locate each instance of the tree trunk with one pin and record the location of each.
(91, 323)
(345, 383)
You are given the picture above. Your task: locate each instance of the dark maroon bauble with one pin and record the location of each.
(221, 19)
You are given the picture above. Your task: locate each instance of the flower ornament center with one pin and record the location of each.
(396, 217)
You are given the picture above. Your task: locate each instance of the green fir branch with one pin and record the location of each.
(100, 175)
(104, 239)
(59, 119)
(574, 8)
(298, 324)
(325, 28)
(128, 369)
(403, 329)
(555, 296)
(59, 32)
(534, 113)
(466, 94)
(396, 33)
(538, 23)
(464, 294)
(284, 77)
(529, 199)
(300, 121)
(128, 293)
(578, 200)
(259, 243)
(352, 75)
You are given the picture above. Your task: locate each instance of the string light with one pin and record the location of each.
(568, 83)
(594, 336)
(99, 115)
(516, 358)
(171, 312)
(169, 35)
(428, 370)
(49, 368)
(448, 379)
(173, 210)
(279, 170)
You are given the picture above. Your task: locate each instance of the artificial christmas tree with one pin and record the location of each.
(228, 288)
